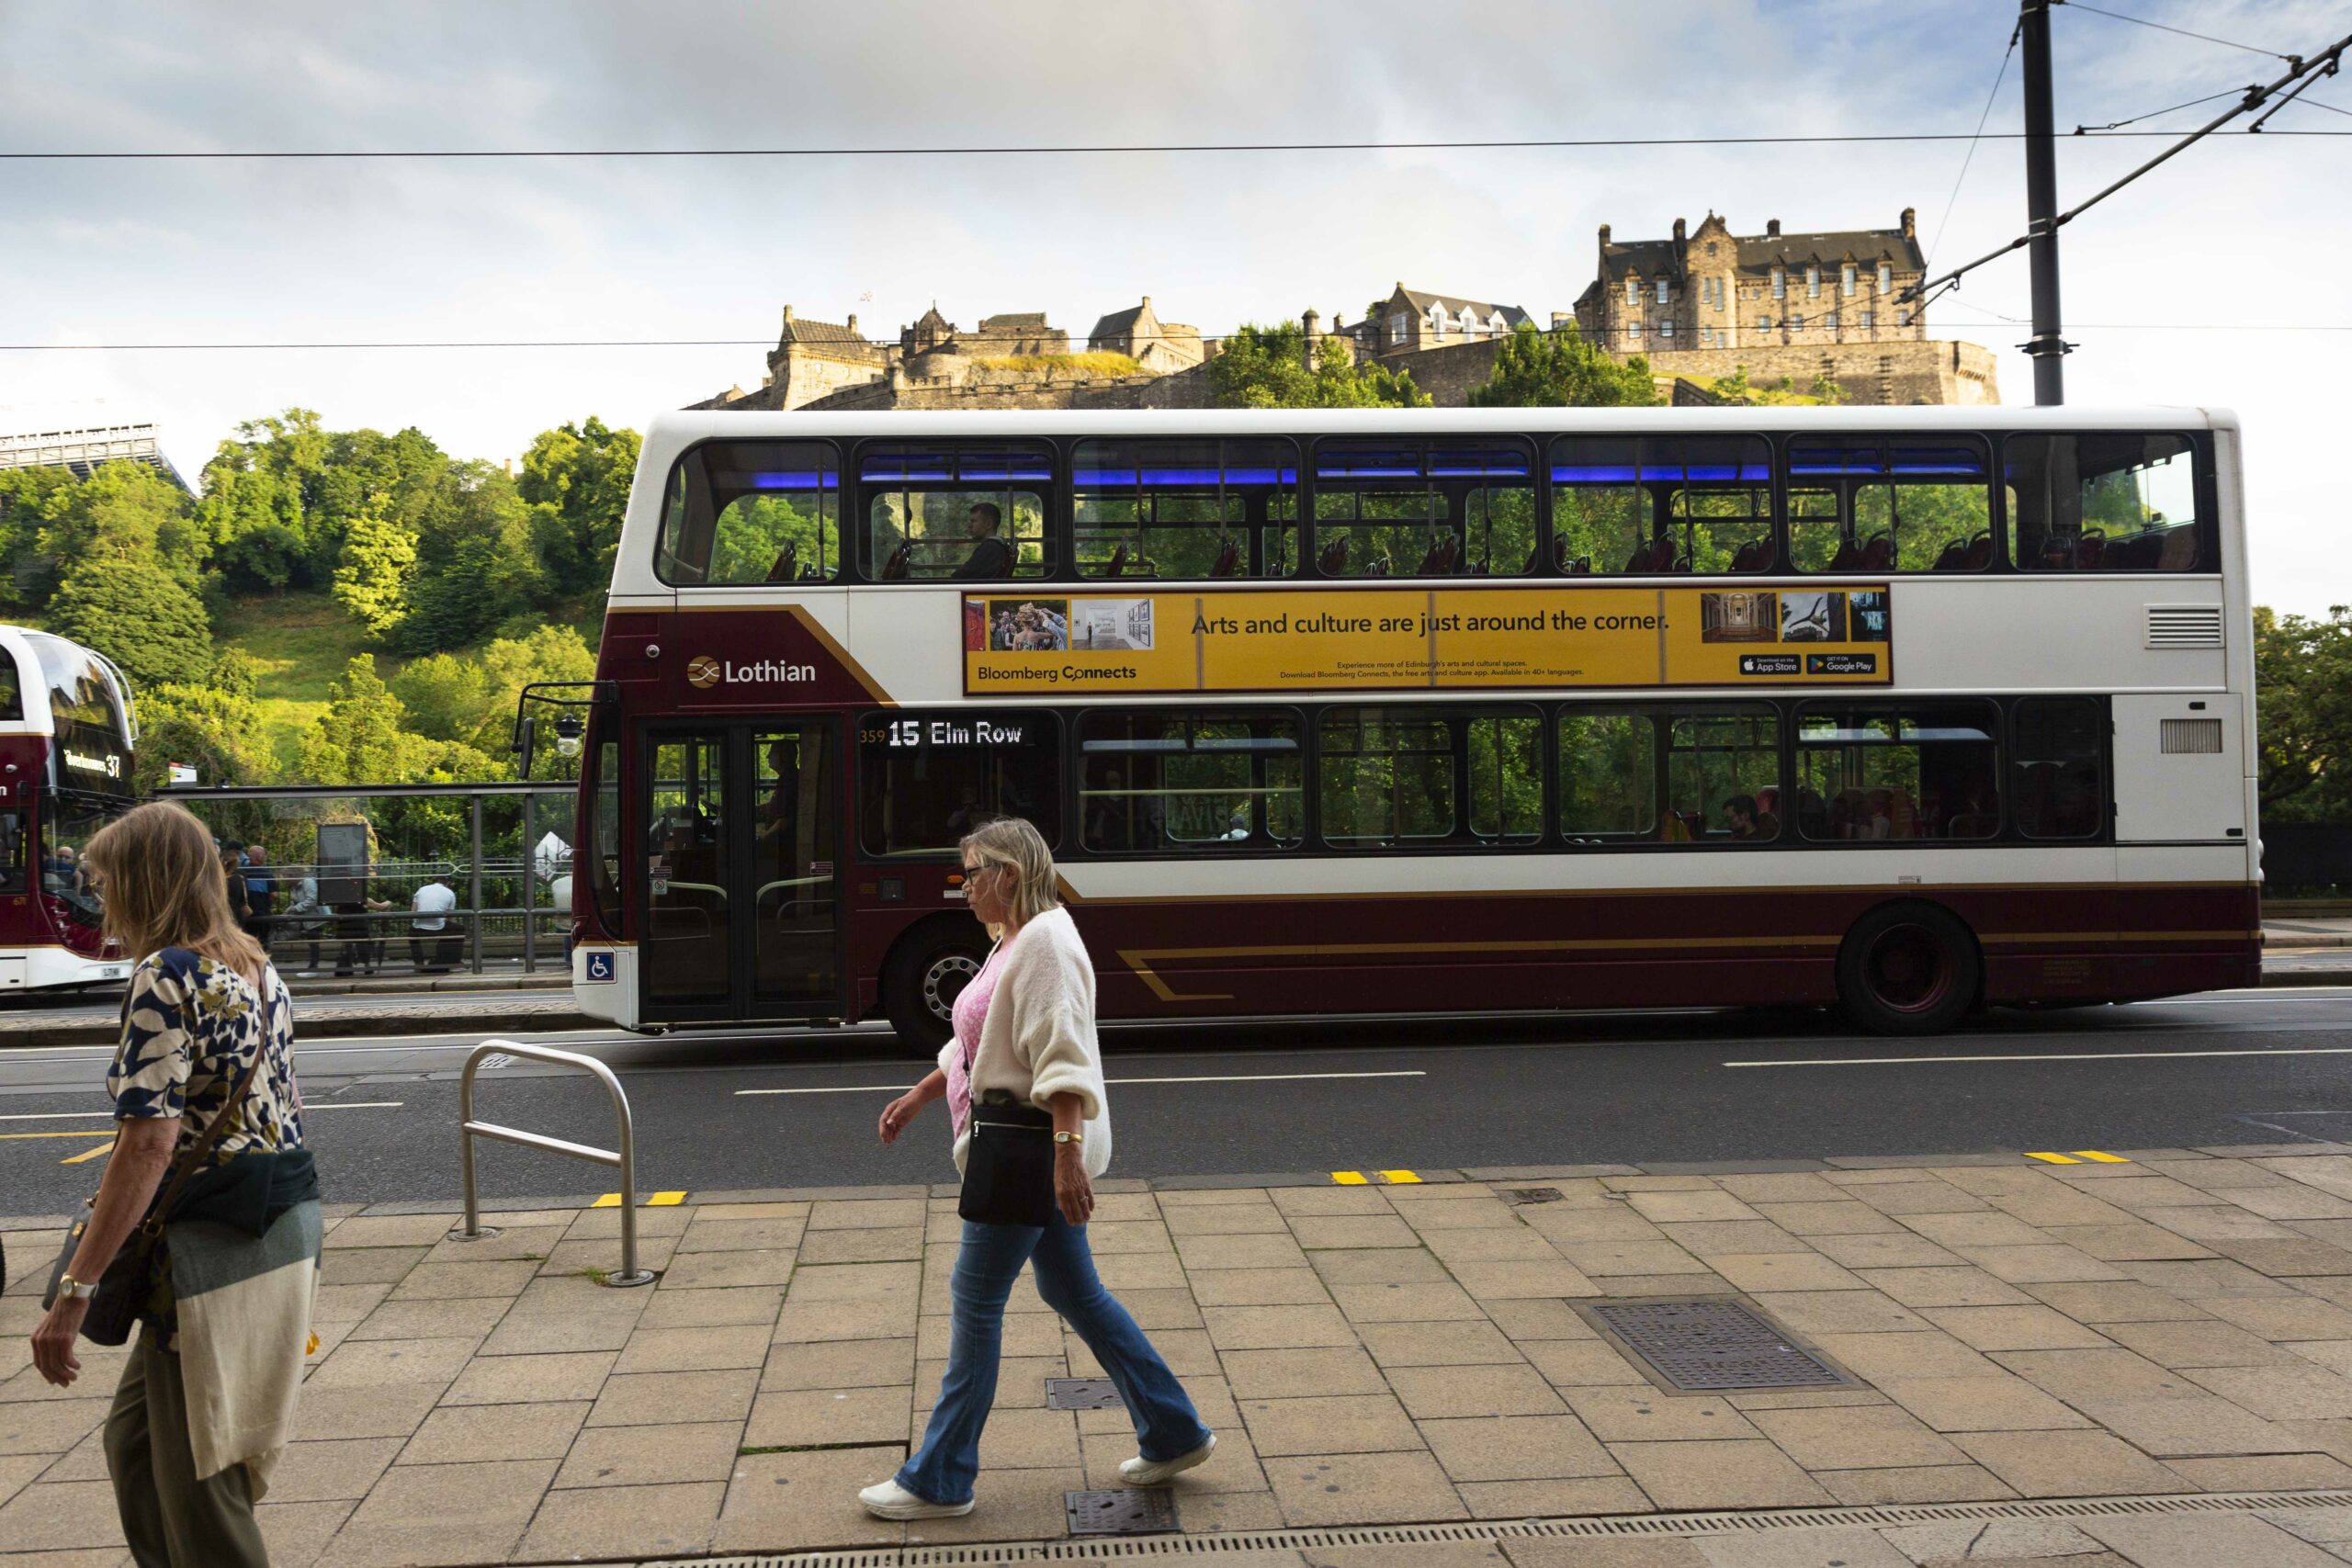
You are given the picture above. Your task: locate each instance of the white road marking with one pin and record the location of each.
(1225, 1077)
(2052, 1057)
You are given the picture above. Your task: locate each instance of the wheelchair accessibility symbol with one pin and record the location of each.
(600, 969)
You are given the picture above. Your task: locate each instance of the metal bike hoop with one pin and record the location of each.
(624, 1157)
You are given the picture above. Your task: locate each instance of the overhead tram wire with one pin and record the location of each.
(1949, 202)
(2184, 32)
(2326, 62)
(1073, 150)
(2154, 114)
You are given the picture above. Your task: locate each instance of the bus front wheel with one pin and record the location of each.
(920, 988)
(1908, 968)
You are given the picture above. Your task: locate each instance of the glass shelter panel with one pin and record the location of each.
(2104, 502)
(1185, 509)
(1163, 780)
(1922, 770)
(1424, 508)
(964, 510)
(1869, 504)
(743, 512)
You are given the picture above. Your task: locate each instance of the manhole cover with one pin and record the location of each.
(1128, 1511)
(1536, 1194)
(1082, 1394)
(1714, 1344)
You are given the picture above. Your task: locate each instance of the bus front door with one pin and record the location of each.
(741, 881)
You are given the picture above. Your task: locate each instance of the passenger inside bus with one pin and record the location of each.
(992, 557)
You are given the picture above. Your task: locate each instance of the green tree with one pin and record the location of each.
(372, 579)
(136, 613)
(2302, 675)
(576, 479)
(216, 732)
(470, 701)
(1560, 369)
(1266, 367)
(363, 737)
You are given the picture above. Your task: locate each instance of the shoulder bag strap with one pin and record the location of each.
(185, 1167)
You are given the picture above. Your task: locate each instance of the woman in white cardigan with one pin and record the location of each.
(1026, 1024)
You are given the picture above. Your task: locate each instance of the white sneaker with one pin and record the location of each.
(888, 1500)
(1142, 1471)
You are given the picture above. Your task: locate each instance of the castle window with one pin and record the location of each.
(1846, 279)
(1634, 331)
(1832, 322)
(1764, 323)
(1901, 317)
(1661, 290)
(1779, 284)
(1796, 324)
(1812, 280)
(1396, 327)
(1885, 277)
(1634, 292)
(1437, 320)
(1665, 329)
(1869, 320)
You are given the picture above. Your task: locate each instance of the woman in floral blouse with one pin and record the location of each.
(209, 1390)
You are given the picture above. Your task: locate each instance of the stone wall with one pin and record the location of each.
(1887, 373)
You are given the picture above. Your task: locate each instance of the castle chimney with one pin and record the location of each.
(853, 323)
(1772, 228)
(1679, 229)
(1146, 301)
(787, 315)
(1604, 234)
(1910, 222)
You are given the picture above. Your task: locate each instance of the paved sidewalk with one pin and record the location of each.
(2176, 1325)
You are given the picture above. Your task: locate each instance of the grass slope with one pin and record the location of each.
(302, 642)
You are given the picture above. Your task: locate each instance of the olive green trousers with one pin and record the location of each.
(171, 1518)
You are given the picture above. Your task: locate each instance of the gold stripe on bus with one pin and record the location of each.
(1142, 960)
(2015, 939)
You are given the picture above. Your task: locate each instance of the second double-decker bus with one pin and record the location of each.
(66, 736)
(1913, 710)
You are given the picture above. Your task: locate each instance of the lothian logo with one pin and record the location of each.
(703, 672)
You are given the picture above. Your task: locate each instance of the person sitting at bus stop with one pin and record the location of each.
(432, 904)
(1025, 1027)
(990, 556)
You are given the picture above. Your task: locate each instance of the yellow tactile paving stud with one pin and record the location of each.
(1393, 1177)
(653, 1200)
(2095, 1156)
(1350, 1177)
(1400, 1177)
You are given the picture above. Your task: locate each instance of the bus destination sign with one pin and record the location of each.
(1278, 639)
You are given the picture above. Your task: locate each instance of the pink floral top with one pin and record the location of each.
(971, 1010)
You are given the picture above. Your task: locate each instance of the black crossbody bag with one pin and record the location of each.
(1008, 1161)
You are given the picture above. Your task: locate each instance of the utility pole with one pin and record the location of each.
(2047, 347)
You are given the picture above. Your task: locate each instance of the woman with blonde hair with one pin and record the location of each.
(222, 1266)
(1025, 1034)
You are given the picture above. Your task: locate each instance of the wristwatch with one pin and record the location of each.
(71, 1289)
(1069, 1137)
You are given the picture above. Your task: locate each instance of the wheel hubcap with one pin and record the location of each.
(944, 981)
(1909, 969)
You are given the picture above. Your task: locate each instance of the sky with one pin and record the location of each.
(2221, 280)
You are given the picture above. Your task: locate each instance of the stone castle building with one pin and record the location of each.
(1412, 322)
(1160, 348)
(1712, 288)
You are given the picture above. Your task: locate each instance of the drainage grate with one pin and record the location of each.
(1711, 1343)
(1536, 1194)
(1125, 1510)
(1605, 1526)
(1082, 1394)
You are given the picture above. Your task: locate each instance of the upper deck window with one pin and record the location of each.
(2105, 502)
(1181, 509)
(741, 511)
(1424, 508)
(1661, 504)
(90, 715)
(973, 511)
(1864, 503)
(12, 690)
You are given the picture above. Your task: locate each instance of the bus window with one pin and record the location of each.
(70, 822)
(1877, 505)
(2110, 502)
(925, 779)
(1180, 509)
(1424, 508)
(1395, 776)
(972, 511)
(1661, 504)
(2058, 782)
(1922, 770)
(1608, 775)
(743, 511)
(12, 851)
(1161, 780)
(12, 690)
(604, 859)
(1723, 777)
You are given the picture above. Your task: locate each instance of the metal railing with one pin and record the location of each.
(625, 1157)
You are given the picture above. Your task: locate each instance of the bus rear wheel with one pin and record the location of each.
(1908, 968)
(920, 988)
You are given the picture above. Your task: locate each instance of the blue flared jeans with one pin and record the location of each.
(943, 1468)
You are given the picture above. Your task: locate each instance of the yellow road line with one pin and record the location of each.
(105, 1148)
(1349, 1177)
(1400, 1178)
(2055, 1159)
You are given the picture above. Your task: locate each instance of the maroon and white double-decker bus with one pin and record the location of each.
(1911, 710)
(66, 734)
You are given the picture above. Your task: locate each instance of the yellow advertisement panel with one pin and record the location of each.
(1286, 639)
